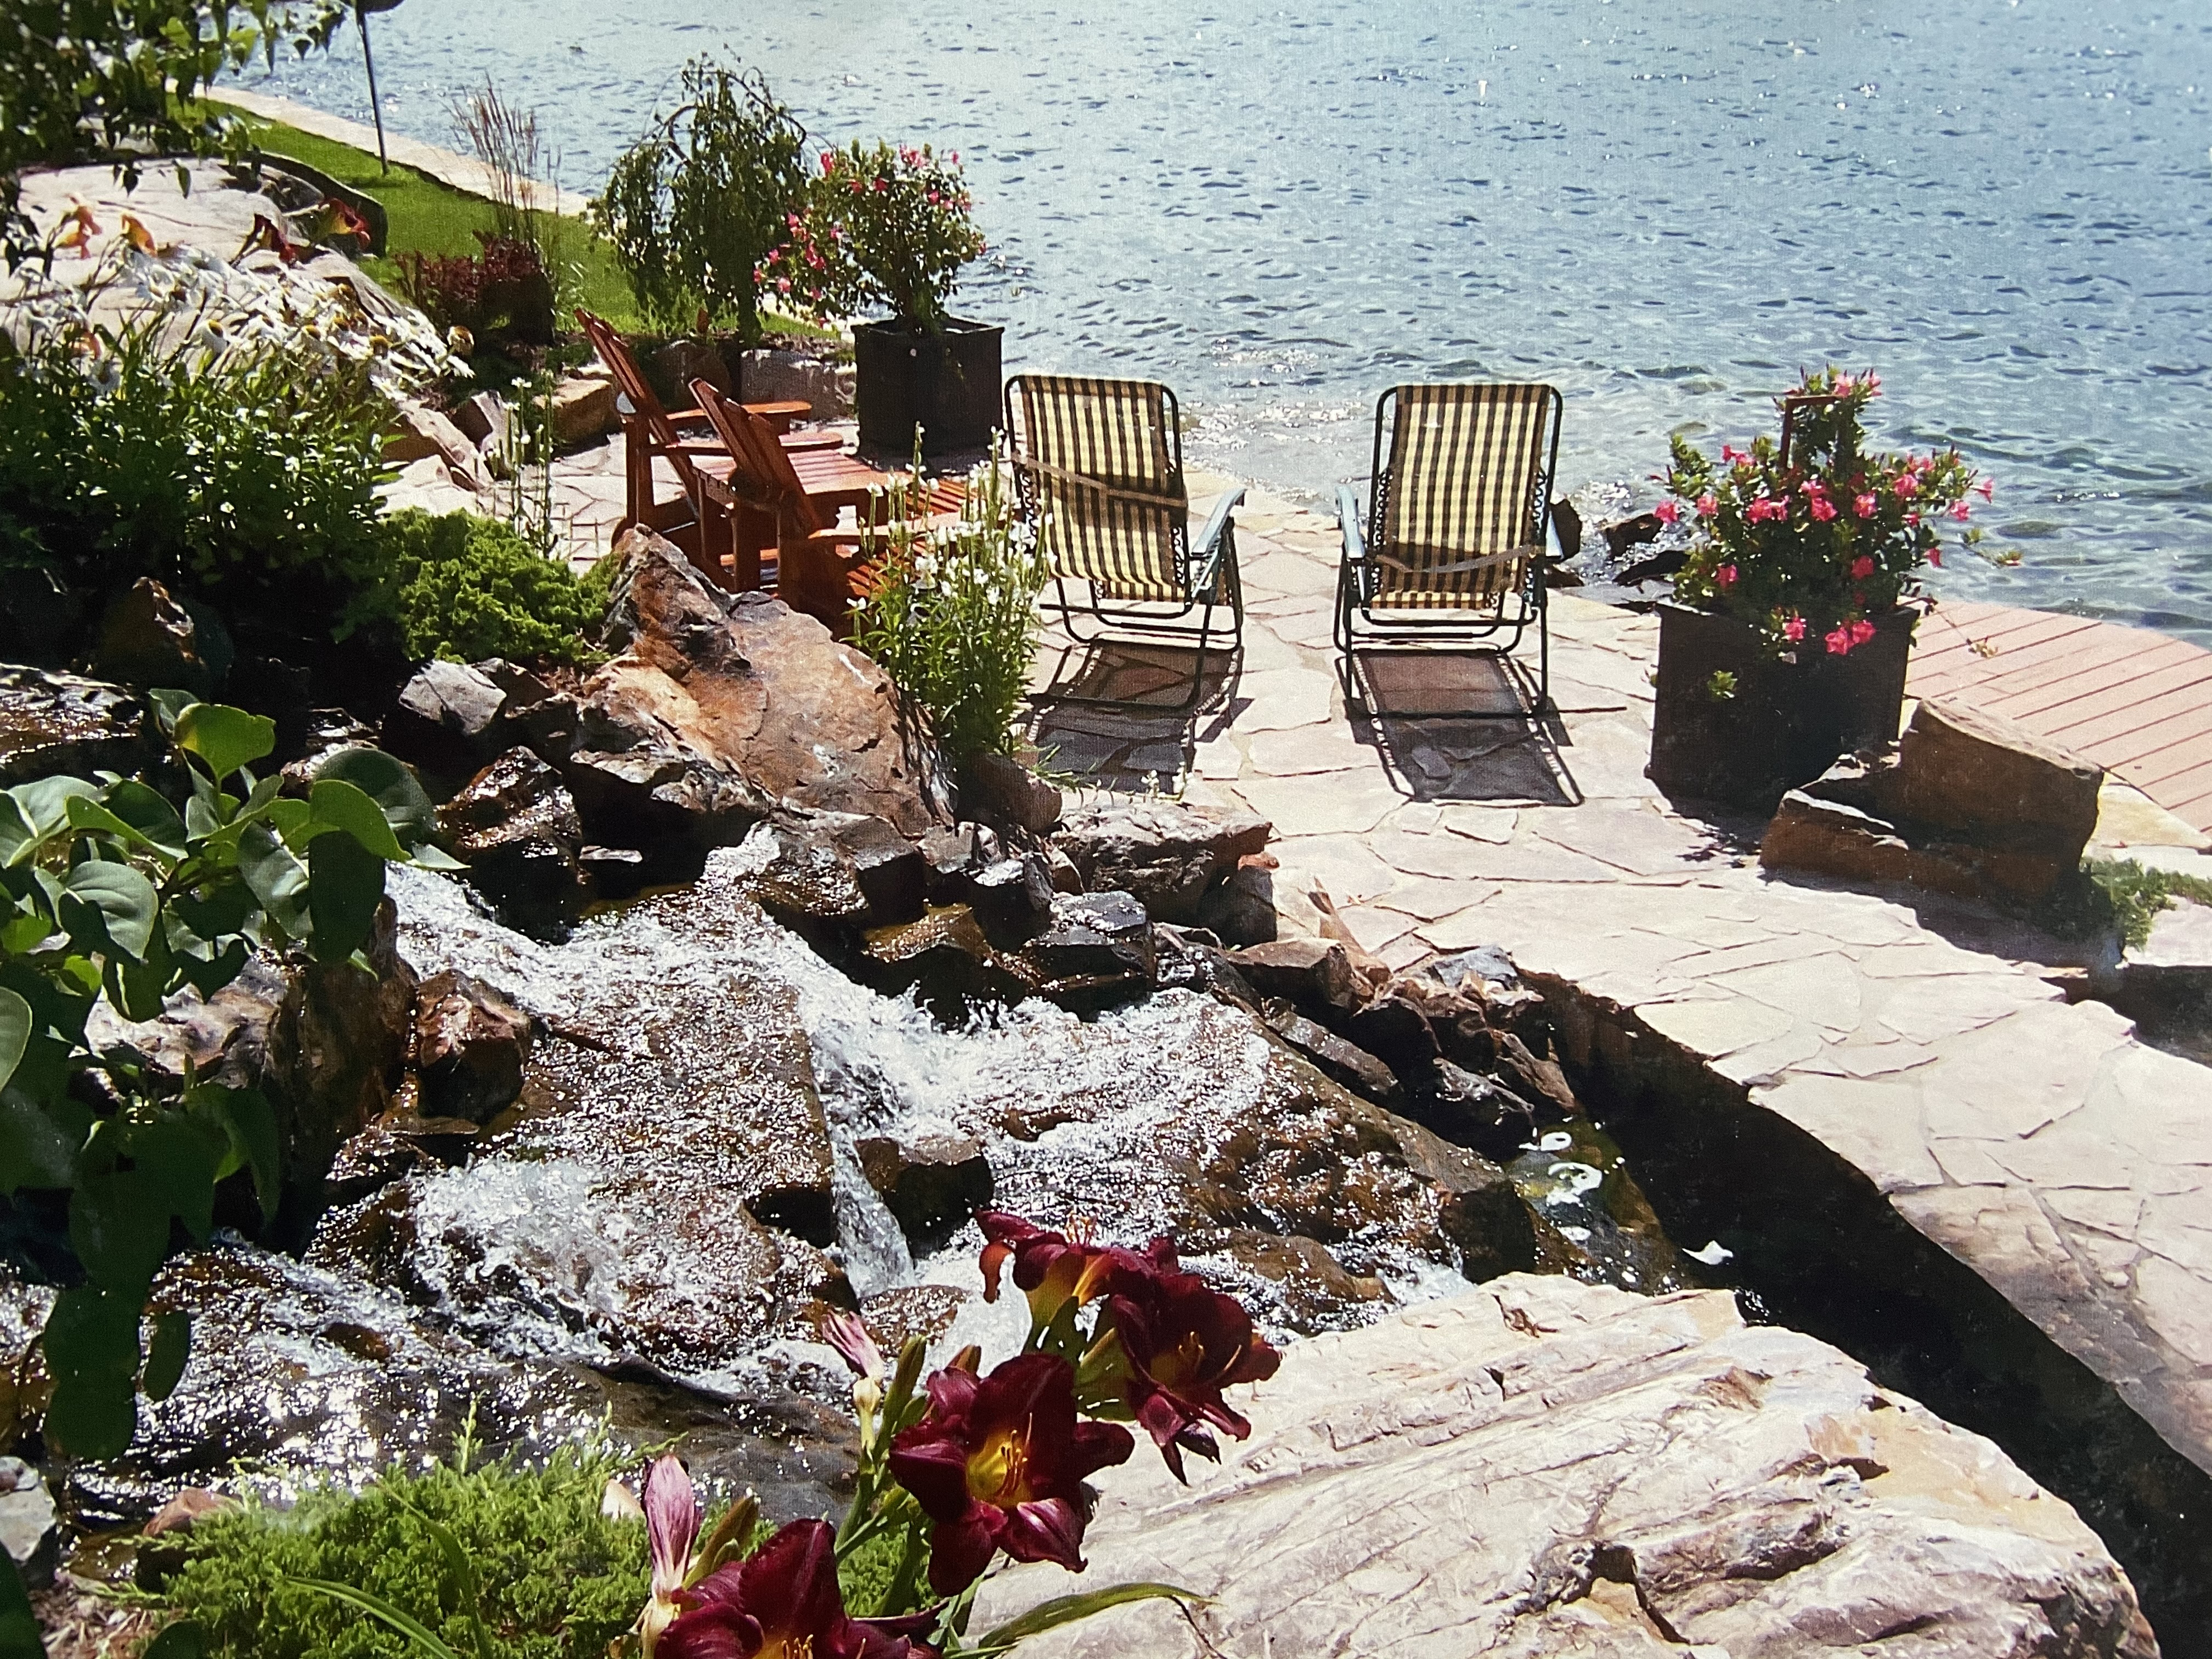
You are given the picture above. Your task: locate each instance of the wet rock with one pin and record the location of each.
(723, 706)
(1066, 877)
(924, 1310)
(931, 1182)
(323, 733)
(446, 719)
(53, 722)
(1012, 897)
(1241, 908)
(165, 1544)
(471, 1044)
(1968, 804)
(664, 1188)
(146, 638)
(838, 867)
(1168, 854)
(1313, 975)
(1655, 1478)
(1313, 1286)
(945, 958)
(1353, 1066)
(1001, 789)
(1394, 1029)
(516, 827)
(955, 855)
(1097, 951)
(326, 1041)
(30, 1529)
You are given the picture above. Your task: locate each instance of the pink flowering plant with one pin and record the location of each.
(881, 228)
(1814, 545)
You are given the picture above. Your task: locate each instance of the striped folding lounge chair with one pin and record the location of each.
(1451, 550)
(1098, 471)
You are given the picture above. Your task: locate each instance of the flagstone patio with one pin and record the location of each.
(1923, 1040)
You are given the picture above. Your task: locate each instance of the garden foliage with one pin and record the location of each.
(694, 206)
(1811, 545)
(884, 228)
(555, 1577)
(227, 435)
(950, 611)
(110, 888)
(503, 290)
(465, 588)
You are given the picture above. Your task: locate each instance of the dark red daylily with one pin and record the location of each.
(1183, 1344)
(1051, 1269)
(999, 1464)
(783, 1603)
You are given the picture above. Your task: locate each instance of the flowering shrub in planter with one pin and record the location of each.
(966, 1466)
(1811, 540)
(882, 229)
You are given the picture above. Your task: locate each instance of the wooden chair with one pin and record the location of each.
(1098, 470)
(819, 564)
(1451, 550)
(702, 466)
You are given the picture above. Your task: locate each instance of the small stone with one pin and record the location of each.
(515, 825)
(955, 855)
(1013, 898)
(1313, 975)
(471, 1044)
(446, 719)
(994, 786)
(1242, 909)
(1169, 854)
(1348, 1063)
(146, 638)
(931, 1181)
(583, 409)
(30, 1527)
(1099, 950)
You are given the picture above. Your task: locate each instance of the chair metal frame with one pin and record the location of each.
(1197, 576)
(1457, 622)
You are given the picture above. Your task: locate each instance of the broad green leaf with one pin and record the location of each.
(218, 913)
(345, 883)
(183, 1640)
(119, 1224)
(390, 783)
(19, 1626)
(91, 1333)
(16, 832)
(343, 806)
(139, 988)
(14, 1033)
(1066, 1609)
(208, 972)
(377, 1607)
(276, 877)
(109, 907)
(180, 1155)
(172, 1345)
(149, 814)
(93, 1417)
(40, 1138)
(225, 737)
(169, 708)
(43, 805)
(252, 1123)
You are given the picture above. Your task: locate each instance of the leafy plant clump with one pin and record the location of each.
(2136, 895)
(696, 205)
(227, 439)
(113, 890)
(524, 1557)
(884, 228)
(1811, 539)
(950, 611)
(502, 290)
(465, 588)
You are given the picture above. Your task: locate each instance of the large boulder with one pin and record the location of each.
(60, 723)
(1548, 1467)
(326, 1042)
(1968, 804)
(471, 1044)
(723, 706)
(1168, 855)
(147, 638)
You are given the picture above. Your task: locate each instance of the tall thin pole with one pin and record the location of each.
(375, 107)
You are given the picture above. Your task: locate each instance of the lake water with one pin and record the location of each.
(1665, 208)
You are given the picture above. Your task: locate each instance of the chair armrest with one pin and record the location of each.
(1207, 553)
(805, 440)
(1347, 518)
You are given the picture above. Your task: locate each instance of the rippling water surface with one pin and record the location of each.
(1663, 208)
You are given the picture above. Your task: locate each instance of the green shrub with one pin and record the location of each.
(952, 618)
(2136, 896)
(226, 438)
(465, 588)
(560, 1581)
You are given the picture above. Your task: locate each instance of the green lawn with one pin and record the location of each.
(429, 217)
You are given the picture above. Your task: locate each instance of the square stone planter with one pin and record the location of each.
(1785, 722)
